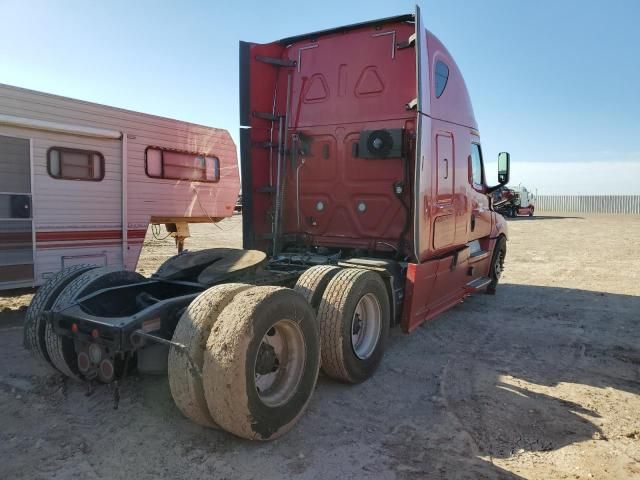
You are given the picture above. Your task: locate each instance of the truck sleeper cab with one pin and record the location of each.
(365, 204)
(363, 140)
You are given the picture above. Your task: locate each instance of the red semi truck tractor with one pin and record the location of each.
(365, 205)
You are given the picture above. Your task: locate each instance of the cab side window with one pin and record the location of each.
(441, 77)
(477, 174)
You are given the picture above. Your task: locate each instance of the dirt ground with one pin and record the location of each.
(541, 381)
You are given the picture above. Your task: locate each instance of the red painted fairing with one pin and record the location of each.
(343, 83)
(455, 104)
(450, 203)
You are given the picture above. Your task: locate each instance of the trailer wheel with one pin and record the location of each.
(497, 264)
(60, 349)
(192, 331)
(354, 319)
(261, 363)
(313, 282)
(45, 297)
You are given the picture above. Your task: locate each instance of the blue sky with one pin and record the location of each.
(556, 83)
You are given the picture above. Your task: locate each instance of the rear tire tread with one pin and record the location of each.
(313, 282)
(330, 316)
(45, 297)
(193, 330)
(228, 372)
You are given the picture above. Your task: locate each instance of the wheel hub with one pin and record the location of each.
(357, 324)
(267, 361)
(366, 326)
(279, 363)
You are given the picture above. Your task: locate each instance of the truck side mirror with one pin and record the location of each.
(504, 161)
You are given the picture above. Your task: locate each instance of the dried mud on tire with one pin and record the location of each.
(193, 330)
(229, 378)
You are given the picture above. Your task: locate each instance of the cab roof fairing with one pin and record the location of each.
(320, 33)
(454, 105)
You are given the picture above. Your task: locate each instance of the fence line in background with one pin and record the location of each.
(612, 204)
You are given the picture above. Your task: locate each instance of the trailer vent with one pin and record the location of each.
(380, 143)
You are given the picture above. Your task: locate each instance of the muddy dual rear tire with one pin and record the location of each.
(262, 356)
(192, 331)
(261, 363)
(43, 300)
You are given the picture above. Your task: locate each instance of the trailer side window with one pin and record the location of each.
(441, 77)
(476, 165)
(179, 165)
(74, 164)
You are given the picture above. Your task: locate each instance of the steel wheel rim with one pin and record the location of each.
(286, 341)
(366, 325)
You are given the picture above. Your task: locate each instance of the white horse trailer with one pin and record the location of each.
(81, 182)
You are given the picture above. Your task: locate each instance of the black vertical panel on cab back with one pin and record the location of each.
(245, 108)
(248, 238)
(248, 234)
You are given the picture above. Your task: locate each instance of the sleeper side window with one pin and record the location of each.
(441, 76)
(75, 164)
(477, 173)
(179, 165)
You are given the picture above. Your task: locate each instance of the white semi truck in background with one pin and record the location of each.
(513, 202)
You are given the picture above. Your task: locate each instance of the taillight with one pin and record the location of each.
(83, 362)
(106, 370)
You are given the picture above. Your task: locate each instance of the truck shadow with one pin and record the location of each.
(541, 217)
(534, 368)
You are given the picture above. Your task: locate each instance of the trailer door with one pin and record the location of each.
(16, 224)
